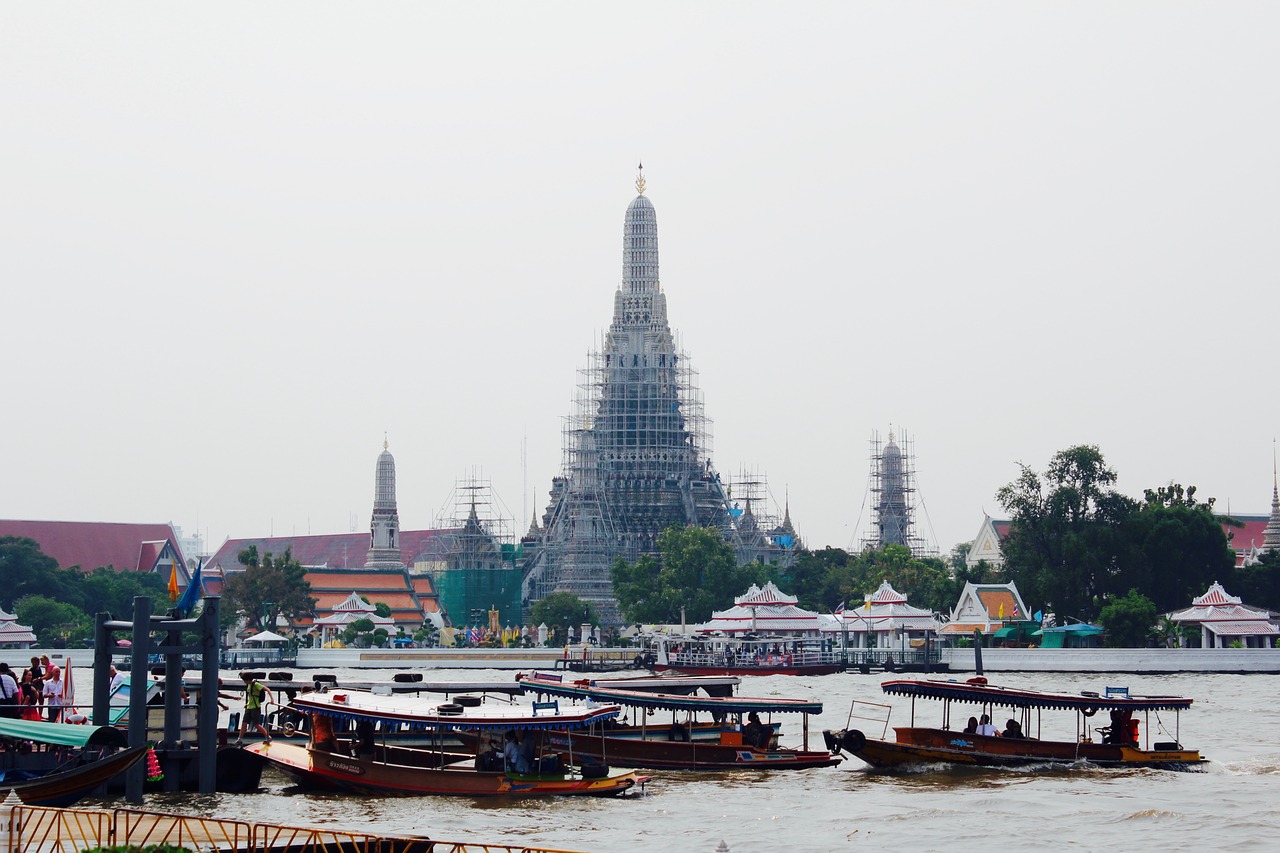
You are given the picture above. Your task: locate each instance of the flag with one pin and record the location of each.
(1001, 610)
(173, 583)
(1016, 614)
(191, 594)
(840, 608)
(1039, 616)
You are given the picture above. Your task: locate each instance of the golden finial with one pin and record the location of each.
(386, 445)
(640, 184)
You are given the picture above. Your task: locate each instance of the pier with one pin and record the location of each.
(27, 829)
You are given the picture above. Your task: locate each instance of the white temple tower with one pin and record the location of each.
(384, 527)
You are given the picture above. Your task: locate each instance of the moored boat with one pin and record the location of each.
(365, 765)
(1123, 741)
(705, 732)
(86, 759)
(735, 656)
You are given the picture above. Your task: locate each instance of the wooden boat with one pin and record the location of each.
(717, 742)
(734, 656)
(1118, 743)
(85, 755)
(364, 765)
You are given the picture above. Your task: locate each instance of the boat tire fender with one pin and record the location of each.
(853, 740)
(449, 708)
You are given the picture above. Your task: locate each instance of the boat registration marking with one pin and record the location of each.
(354, 769)
(963, 744)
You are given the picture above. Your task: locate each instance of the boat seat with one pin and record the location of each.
(553, 707)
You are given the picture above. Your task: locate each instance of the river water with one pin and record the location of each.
(1234, 803)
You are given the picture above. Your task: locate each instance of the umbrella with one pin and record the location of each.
(267, 637)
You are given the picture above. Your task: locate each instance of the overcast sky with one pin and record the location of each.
(239, 243)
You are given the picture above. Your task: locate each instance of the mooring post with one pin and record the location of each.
(208, 710)
(138, 678)
(101, 671)
(173, 709)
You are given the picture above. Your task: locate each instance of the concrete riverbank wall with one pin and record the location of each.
(1116, 660)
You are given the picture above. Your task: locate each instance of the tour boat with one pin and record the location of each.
(735, 656)
(365, 765)
(705, 732)
(1116, 742)
(92, 762)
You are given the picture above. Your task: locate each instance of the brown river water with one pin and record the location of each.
(1233, 803)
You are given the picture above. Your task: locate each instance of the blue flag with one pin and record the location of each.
(1039, 616)
(191, 594)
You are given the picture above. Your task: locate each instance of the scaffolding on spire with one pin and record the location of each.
(893, 497)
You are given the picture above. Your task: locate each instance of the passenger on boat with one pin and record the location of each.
(490, 759)
(515, 760)
(1123, 729)
(985, 727)
(972, 727)
(322, 734)
(1013, 729)
(754, 733)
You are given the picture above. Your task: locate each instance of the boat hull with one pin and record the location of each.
(763, 669)
(938, 746)
(68, 786)
(336, 772)
(660, 753)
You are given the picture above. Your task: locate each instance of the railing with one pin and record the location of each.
(48, 830)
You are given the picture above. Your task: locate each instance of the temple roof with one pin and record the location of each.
(93, 544)
(769, 594)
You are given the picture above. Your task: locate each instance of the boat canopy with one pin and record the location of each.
(416, 714)
(62, 734)
(600, 691)
(987, 694)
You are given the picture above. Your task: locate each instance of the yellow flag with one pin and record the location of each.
(1002, 610)
(173, 583)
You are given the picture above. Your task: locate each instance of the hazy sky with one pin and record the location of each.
(240, 242)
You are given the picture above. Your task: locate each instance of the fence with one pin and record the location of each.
(29, 829)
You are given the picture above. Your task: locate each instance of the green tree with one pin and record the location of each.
(1178, 548)
(1065, 547)
(1259, 584)
(563, 610)
(273, 587)
(105, 589)
(359, 630)
(382, 609)
(697, 571)
(26, 570)
(1129, 621)
(54, 623)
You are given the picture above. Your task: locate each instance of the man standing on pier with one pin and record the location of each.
(254, 693)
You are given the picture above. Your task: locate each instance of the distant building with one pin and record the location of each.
(88, 545)
(13, 635)
(1224, 619)
(893, 497)
(884, 619)
(987, 608)
(766, 610)
(986, 545)
(351, 609)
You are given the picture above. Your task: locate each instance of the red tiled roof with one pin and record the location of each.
(92, 544)
(993, 598)
(336, 550)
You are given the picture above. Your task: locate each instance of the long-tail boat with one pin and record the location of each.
(84, 759)
(1122, 741)
(704, 733)
(372, 765)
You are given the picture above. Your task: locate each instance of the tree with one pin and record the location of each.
(563, 610)
(268, 587)
(382, 609)
(26, 570)
(1065, 545)
(1179, 547)
(359, 630)
(55, 623)
(698, 571)
(1129, 621)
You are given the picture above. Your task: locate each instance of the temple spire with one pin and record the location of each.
(1271, 534)
(640, 183)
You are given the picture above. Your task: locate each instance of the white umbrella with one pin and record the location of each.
(267, 637)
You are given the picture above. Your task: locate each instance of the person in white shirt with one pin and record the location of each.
(53, 695)
(9, 691)
(985, 727)
(117, 678)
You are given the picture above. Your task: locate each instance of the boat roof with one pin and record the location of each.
(425, 714)
(981, 693)
(62, 734)
(604, 691)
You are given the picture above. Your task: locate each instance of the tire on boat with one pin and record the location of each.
(449, 708)
(467, 701)
(832, 740)
(853, 740)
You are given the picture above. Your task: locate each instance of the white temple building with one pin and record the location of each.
(766, 610)
(886, 621)
(1223, 619)
(351, 609)
(13, 635)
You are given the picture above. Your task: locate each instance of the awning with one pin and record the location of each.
(62, 734)
(266, 637)
(1249, 628)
